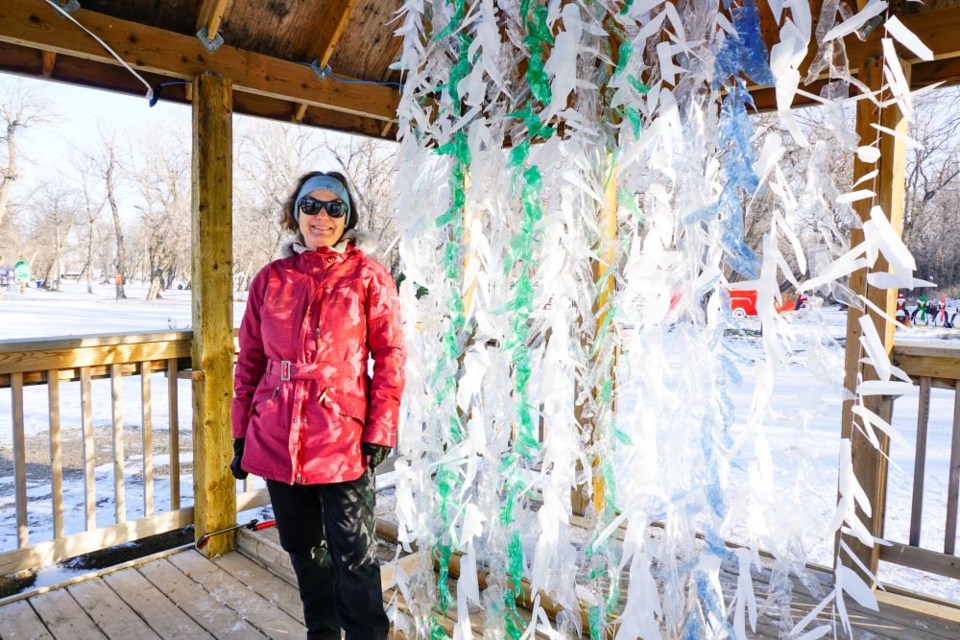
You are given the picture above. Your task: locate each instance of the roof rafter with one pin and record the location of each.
(210, 16)
(49, 59)
(174, 55)
(937, 29)
(333, 21)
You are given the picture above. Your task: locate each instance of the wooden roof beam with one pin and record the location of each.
(211, 16)
(49, 59)
(32, 24)
(209, 19)
(938, 31)
(332, 23)
(84, 73)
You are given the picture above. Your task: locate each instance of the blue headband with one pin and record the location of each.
(323, 182)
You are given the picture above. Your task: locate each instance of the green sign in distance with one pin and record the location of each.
(22, 271)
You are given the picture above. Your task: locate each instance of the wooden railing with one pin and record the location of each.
(53, 363)
(62, 364)
(930, 367)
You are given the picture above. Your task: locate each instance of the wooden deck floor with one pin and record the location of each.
(185, 595)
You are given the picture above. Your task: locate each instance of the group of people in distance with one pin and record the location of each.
(933, 313)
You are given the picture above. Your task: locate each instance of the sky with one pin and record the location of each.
(77, 113)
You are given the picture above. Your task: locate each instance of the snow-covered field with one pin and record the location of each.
(809, 391)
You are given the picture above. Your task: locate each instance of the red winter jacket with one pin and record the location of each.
(302, 396)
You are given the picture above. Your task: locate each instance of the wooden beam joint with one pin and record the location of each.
(174, 55)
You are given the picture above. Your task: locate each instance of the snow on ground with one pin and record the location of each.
(807, 396)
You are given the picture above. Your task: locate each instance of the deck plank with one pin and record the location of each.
(19, 621)
(63, 617)
(114, 616)
(197, 603)
(278, 591)
(159, 612)
(241, 598)
(890, 622)
(187, 596)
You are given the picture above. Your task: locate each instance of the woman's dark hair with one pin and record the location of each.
(289, 222)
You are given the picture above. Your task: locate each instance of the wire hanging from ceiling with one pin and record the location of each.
(66, 14)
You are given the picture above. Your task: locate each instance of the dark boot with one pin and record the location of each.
(314, 571)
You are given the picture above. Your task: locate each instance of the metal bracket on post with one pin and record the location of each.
(68, 5)
(869, 26)
(208, 44)
(322, 73)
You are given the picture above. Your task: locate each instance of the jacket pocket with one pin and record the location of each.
(344, 404)
(263, 395)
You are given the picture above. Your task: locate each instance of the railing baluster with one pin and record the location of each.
(56, 452)
(83, 360)
(118, 485)
(953, 488)
(89, 451)
(923, 419)
(173, 406)
(19, 459)
(146, 435)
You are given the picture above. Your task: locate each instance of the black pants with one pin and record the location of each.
(328, 530)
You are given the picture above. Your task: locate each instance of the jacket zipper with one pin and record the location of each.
(298, 479)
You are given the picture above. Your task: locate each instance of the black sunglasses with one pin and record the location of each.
(334, 208)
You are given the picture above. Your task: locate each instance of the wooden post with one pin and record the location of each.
(869, 463)
(603, 277)
(214, 489)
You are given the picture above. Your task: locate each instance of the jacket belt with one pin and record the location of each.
(287, 370)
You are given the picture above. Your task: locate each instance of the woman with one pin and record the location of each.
(306, 415)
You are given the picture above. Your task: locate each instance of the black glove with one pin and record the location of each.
(376, 452)
(235, 468)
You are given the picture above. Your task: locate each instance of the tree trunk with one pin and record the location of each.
(120, 276)
(153, 266)
(169, 277)
(156, 283)
(9, 174)
(54, 283)
(88, 267)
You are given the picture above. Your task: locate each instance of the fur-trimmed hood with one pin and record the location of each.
(363, 240)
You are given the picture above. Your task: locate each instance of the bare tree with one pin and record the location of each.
(270, 159)
(371, 165)
(19, 109)
(91, 205)
(165, 215)
(273, 156)
(106, 161)
(55, 211)
(804, 169)
(933, 187)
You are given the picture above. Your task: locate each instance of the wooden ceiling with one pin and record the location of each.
(265, 46)
(267, 42)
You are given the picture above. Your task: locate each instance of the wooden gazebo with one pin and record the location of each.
(288, 61)
(328, 65)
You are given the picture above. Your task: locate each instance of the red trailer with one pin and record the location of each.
(743, 303)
